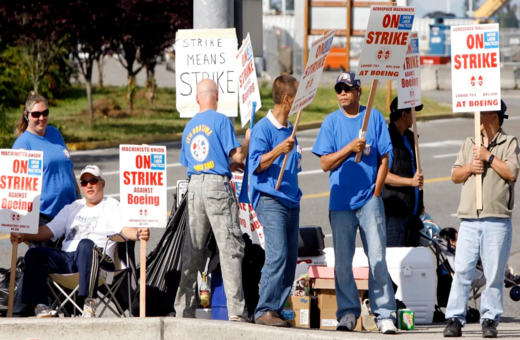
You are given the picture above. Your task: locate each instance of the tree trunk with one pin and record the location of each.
(130, 92)
(100, 70)
(150, 82)
(36, 84)
(88, 82)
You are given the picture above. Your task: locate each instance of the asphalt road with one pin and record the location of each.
(439, 143)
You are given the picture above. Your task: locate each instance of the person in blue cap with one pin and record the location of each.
(355, 200)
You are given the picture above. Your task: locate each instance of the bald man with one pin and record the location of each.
(207, 143)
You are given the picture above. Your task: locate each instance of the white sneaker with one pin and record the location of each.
(238, 318)
(89, 308)
(347, 323)
(43, 311)
(387, 326)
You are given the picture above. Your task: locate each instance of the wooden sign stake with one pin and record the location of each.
(371, 96)
(12, 280)
(282, 170)
(142, 280)
(478, 178)
(416, 142)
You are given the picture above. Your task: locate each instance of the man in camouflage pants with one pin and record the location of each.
(207, 143)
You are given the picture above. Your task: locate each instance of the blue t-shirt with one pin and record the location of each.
(391, 156)
(207, 140)
(58, 183)
(352, 184)
(264, 138)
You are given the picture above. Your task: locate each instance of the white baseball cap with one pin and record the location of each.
(93, 170)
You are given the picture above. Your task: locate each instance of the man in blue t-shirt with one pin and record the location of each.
(401, 195)
(278, 210)
(208, 141)
(355, 200)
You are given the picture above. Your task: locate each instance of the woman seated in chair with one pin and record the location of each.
(86, 223)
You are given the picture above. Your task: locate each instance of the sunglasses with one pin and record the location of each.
(37, 114)
(92, 181)
(339, 89)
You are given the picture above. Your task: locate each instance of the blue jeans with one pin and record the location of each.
(490, 239)
(281, 230)
(371, 221)
(396, 231)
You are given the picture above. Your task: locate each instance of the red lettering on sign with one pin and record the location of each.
(143, 178)
(473, 61)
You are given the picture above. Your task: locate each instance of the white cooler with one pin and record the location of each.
(413, 270)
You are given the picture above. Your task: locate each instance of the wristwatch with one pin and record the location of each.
(491, 158)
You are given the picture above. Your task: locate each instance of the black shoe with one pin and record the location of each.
(489, 329)
(453, 329)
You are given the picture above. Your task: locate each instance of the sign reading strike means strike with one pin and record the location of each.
(203, 54)
(248, 91)
(409, 86)
(475, 68)
(385, 43)
(143, 186)
(312, 74)
(21, 176)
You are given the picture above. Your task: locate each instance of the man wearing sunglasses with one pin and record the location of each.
(355, 200)
(85, 224)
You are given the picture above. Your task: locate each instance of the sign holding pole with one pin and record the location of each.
(21, 176)
(384, 49)
(206, 54)
(143, 196)
(309, 84)
(409, 88)
(475, 74)
(248, 91)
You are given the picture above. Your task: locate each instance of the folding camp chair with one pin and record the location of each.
(109, 280)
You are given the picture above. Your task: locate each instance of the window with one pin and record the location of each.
(281, 6)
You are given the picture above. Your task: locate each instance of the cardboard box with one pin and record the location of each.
(327, 303)
(297, 311)
(322, 272)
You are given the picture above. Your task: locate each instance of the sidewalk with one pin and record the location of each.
(172, 328)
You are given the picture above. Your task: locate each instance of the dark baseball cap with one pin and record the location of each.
(503, 109)
(348, 78)
(394, 107)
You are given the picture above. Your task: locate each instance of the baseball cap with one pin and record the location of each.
(348, 78)
(503, 109)
(394, 106)
(91, 169)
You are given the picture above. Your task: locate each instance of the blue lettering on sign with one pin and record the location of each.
(491, 40)
(249, 52)
(35, 167)
(415, 46)
(406, 22)
(158, 162)
(328, 44)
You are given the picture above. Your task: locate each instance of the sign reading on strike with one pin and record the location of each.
(203, 54)
(385, 43)
(248, 91)
(475, 68)
(249, 223)
(409, 86)
(312, 74)
(21, 176)
(142, 184)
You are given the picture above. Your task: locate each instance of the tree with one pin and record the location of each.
(40, 28)
(465, 5)
(90, 33)
(146, 28)
(507, 16)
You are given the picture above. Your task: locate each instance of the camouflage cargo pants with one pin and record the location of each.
(211, 203)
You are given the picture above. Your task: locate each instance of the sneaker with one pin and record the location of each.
(489, 329)
(387, 326)
(238, 318)
(347, 323)
(272, 318)
(89, 308)
(453, 329)
(43, 311)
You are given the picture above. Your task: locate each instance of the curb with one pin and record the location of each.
(178, 136)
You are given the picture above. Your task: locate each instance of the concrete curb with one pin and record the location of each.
(178, 136)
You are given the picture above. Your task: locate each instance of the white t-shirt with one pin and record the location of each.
(77, 221)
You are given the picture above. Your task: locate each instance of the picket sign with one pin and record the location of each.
(475, 74)
(249, 223)
(21, 177)
(206, 54)
(248, 90)
(409, 89)
(143, 194)
(384, 49)
(309, 84)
